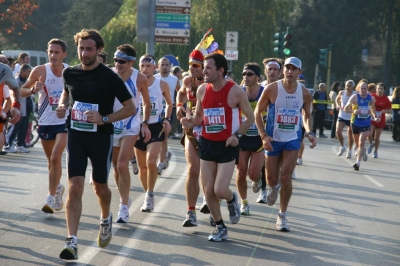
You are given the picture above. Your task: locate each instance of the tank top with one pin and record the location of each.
(220, 121)
(156, 98)
(253, 131)
(364, 105)
(132, 88)
(172, 81)
(49, 98)
(381, 103)
(284, 115)
(345, 99)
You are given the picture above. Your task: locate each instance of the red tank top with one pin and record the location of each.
(220, 121)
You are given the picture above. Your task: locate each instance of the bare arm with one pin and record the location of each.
(261, 106)
(128, 109)
(35, 80)
(63, 104)
(143, 86)
(195, 120)
(167, 96)
(244, 105)
(181, 98)
(348, 107)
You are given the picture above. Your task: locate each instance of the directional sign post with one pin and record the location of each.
(232, 38)
(173, 22)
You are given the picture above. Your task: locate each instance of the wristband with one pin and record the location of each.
(169, 120)
(179, 104)
(308, 134)
(16, 104)
(32, 91)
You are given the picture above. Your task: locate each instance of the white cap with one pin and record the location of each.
(293, 61)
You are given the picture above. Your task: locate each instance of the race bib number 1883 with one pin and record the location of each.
(287, 119)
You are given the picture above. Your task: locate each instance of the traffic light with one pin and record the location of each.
(323, 57)
(278, 43)
(288, 43)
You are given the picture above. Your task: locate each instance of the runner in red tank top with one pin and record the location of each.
(219, 104)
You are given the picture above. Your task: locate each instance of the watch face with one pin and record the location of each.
(105, 119)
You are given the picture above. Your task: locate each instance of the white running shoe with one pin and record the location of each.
(342, 149)
(262, 198)
(348, 154)
(58, 203)
(49, 205)
(370, 148)
(365, 156)
(9, 149)
(105, 233)
(166, 160)
(272, 194)
(256, 185)
(294, 175)
(281, 223)
(299, 161)
(160, 167)
(135, 168)
(375, 154)
(123, 213)
(148, 204)
(22, 149)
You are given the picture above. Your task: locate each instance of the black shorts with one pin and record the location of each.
(49, 132)
(157, 134)
(93, 145)
(346, 122)
(357, 130)
(251, 143)
(303, 132)
(216, 151)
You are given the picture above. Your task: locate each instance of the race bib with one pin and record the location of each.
(214, 120)
(287, 119)
(118, 127)
(364, 112)
(378, 113)
(252, 131)
(197, 132)
(54, 99)
(79, 119)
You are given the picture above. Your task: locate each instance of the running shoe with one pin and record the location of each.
(294, 175)
(356, 166)
(160, 167)
(204, 207)
(342, 149)
(262, 198)
(365, 156)
(323, 136)
(9, 149)
(58, 203)
(348, 154)
(70, 251)
(370, 148)
(49, 205)
(166, 160)
(22, 149)
(256, 185)
(211, 220)
(105, 233)
(135, 168)
(148, 204)
(234, 211)
(190, 219)
(281, 223)
(375, 154)
(272, 194)
(299, 161)
(123, 213)
(245, 209)
(219, 233)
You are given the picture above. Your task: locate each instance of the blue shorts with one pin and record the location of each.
(278, 147)
(49, 132)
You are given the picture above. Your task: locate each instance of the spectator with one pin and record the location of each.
(319, 109)
(335, 88)
(396, 114)
(23, 58)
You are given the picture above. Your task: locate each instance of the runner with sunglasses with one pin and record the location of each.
(251, 157)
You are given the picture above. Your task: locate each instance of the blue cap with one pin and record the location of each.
(301, 76)
(293, 61)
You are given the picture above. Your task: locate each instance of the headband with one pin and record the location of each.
(271, 63)
(119, 54)
(147, 60)
(254, 68)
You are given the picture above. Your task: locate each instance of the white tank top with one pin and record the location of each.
(342, 114)
(156, 99)
(287, 121)
(172, 81)
(49, 99)
(131, 85)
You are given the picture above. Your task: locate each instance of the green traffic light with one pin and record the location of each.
(286, 51)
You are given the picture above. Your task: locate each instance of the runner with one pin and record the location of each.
(382, 106)
(47, 81)
(89, 93)
(147, 151)
(361, 106)
(126, 131)
(218, 107)
(251, 157)
(344, 118)
(7, 78)
(282, 134)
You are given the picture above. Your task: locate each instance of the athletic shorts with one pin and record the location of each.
(157, 135)
(216, 151)
(250, 143)
(93, 145)
(346, 122)
(278, 147)
(118, 134)
(358, 130)
(379, 125)
(303, 133)
(49, 132)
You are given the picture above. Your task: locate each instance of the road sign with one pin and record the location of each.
(231, 55)
(232, 38)
(173, 21)
(365, 55)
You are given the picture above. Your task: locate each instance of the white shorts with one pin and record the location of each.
(133, 131)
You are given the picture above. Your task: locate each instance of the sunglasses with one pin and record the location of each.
(249, 74)
(195, 65)
(119, 61)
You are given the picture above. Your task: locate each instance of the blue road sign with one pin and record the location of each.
(172, 25)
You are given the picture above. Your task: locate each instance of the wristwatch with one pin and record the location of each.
(308, 134)
(238, 135)
(105, 119)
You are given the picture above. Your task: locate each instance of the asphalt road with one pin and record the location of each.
(338, 216)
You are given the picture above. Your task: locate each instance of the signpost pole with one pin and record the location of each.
(150, 42)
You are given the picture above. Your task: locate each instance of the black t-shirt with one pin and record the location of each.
(99, 86)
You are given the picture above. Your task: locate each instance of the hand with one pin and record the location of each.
(186, 122)
(15, 115)
(94, 117)
(61, 111)
(313, 140)
(180, 112)
(266, 140)
(144, 129)
(39, 85)
(232, 141)
(338, 108)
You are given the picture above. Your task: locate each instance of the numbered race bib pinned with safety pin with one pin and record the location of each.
(79, 120)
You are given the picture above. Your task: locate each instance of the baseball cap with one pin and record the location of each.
(293, 61)
(301, 76)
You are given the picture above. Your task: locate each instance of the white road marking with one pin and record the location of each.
(373, 181)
